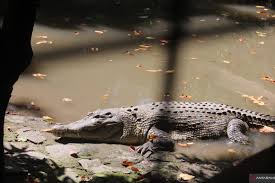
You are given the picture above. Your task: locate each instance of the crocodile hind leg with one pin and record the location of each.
(158, 140)
(236, 131)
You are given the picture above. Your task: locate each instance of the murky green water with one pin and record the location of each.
(101, 66)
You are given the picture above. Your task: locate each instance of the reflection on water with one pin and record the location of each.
(222, 149)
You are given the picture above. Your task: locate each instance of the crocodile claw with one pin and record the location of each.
(145, 148)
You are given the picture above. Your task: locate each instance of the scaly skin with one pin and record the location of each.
(166, 122)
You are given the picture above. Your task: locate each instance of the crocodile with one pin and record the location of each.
(159, 125)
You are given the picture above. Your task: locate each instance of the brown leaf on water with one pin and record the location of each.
(105, 96)
(185, 177)
(44, 42)
(39, 75)
(169, 71)
(226, 62)
(127, 163)
(42, 36)
(261, 34)
(261, 42)
(255, 100)
(182, 96)
(139, 66)
(154, 70)
(253, 51)
(67, 100)
(268, 78)
(267, 129)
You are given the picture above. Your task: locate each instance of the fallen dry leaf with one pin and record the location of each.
(241, 40)
(226, 61)
(185, 144)
(149, 37)
(42, 36)
(164, 41)
(261, 7)
(255, 100)
(99, 32)
(129, 53)
(74, 154)
(261, 34)
(231, 151)
(200, 41)
(153, 70)
(253, 52)
(137, 32)
(185, 176)
(140, 49)
(261, 42)
(94, 49)
(268, 78)
(145, 46)
(182, 96)
(169, 71)
(139, 66)
(134, 169)
(67, 100)
(267, 129)
(127, 163)
(44, 42)
(39, 75)
(105, 96)
(47, 119)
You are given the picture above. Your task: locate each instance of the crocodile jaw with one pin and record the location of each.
(91, 130)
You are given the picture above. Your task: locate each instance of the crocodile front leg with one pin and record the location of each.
(158, 140)
(236, 130)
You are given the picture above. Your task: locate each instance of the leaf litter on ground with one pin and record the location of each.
(39, 75)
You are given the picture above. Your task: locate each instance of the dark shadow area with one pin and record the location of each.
(262, 162)
(21, 167)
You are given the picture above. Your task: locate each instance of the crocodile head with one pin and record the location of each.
(99, 126)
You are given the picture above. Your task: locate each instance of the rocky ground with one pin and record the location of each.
(36, 156)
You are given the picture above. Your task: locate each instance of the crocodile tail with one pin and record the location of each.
(262, 119)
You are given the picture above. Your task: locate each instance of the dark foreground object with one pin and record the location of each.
(261, 163)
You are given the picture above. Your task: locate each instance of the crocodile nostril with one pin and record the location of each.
(97, 116)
